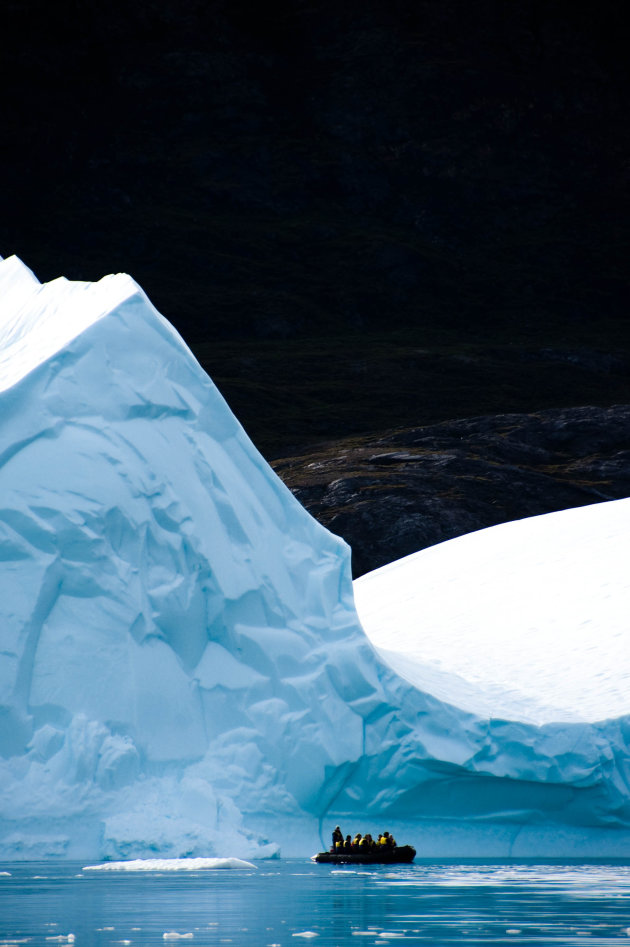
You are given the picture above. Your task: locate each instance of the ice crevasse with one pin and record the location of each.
(182, 668)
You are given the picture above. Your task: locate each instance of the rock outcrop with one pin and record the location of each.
(401, 491)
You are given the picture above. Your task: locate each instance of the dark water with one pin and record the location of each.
(291, 902)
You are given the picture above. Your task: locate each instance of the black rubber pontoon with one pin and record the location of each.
(401, 855)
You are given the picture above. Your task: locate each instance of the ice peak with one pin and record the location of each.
(38, 320)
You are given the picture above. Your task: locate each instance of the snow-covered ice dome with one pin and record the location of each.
(182, 669)
(527, 621)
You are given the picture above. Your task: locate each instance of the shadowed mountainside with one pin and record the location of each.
(395, 493)
(309, 170)
(360, 215)
(292, 396)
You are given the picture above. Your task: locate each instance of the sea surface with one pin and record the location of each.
(288, 902)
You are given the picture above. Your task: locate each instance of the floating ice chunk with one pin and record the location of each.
(171, 864)
(173, 935)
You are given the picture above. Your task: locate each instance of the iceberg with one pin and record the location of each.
(183, 671)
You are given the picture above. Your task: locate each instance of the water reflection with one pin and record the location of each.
(293, 902)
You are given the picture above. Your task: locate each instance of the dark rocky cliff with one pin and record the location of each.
(398, 492)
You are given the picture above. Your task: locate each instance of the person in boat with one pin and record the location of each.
(388, 841)
(337, 839)
(347, 845)
(356, 841)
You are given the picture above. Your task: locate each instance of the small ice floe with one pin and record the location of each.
(61, 938)
(514, 930)
(5, 874)
(173, 935)
(171, 864)
(305, 934)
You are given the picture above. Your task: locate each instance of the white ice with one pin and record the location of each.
(171, 864)
(527, 621)
(182, 669)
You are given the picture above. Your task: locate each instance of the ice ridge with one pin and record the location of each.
(182, 669)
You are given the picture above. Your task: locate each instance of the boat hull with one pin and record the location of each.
(402, 855)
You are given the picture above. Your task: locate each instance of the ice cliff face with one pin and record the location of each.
(182, 670)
